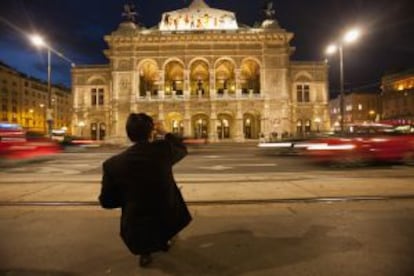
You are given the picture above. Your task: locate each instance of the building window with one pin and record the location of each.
(359, 106)
(302, 93)
(97, 96)
(308, 126)
(299, 129)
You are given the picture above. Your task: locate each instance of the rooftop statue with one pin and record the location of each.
(129, 12)
(269, 11)
(198, 16)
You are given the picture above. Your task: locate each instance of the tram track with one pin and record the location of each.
(340, 199)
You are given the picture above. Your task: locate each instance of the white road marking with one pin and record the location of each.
(216, 168)
(255, 165)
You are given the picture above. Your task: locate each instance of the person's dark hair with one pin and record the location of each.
(139, 127)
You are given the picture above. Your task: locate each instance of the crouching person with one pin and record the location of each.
(140, 181)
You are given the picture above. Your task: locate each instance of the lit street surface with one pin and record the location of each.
(254, 214)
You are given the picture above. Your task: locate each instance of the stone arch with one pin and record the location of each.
(172, 59)
(258, 61)
(303, 76)
(199, 59)
(174, 123)
(251, 125)
(225, 125)
(250, 76)
(200, 123)
(147, 60)
(98, 129)
(225, 76)
(174, 77)
(199, 77)
(148, 73)
(225, 58)
(96, 80)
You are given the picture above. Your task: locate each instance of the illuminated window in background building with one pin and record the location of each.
(359, 106)
(302, 93)
(348, 107)
(299, 129)
(97, 96)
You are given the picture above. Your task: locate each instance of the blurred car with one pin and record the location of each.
(364, 144)
(17, 145)
(189, 141)
(70, 143)
(293, 146)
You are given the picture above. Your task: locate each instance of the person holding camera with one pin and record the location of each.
(140, 181)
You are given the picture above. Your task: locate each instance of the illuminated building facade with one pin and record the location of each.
(360, 107)
(203, 75)
(397, 97)
(24, 101)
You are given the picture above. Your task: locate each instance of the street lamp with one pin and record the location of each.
(42, 107)
(372, 115)
(38, 41)
(349, 37)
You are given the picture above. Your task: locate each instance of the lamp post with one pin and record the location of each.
(42, 106)
(349, 37)
(38, 41)
(31, 117)
(372, 115)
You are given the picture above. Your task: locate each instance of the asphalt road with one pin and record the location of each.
(205, 159)
(364, 237)
(354, 238)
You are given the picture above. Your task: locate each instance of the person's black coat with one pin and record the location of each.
(141, 182)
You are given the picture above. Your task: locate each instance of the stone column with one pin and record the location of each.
(212, 85)
(238, 83)
(187, 120)
(161, 84)
(186, 91)
(161, 115)
(239, 137)
(264, 123)
(212, 131)
(119, 127)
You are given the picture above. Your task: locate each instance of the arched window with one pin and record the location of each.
(299, 129)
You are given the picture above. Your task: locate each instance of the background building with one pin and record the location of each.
(24, 101)
(397, 97)
(360, 107)
(203, 75)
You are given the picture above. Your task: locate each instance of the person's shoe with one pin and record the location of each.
(145, 260)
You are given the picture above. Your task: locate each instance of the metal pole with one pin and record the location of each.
(342, 98)
(49, 91)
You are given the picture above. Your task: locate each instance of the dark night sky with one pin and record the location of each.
(76, 28)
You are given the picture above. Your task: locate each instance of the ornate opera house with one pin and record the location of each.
(204, 75)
